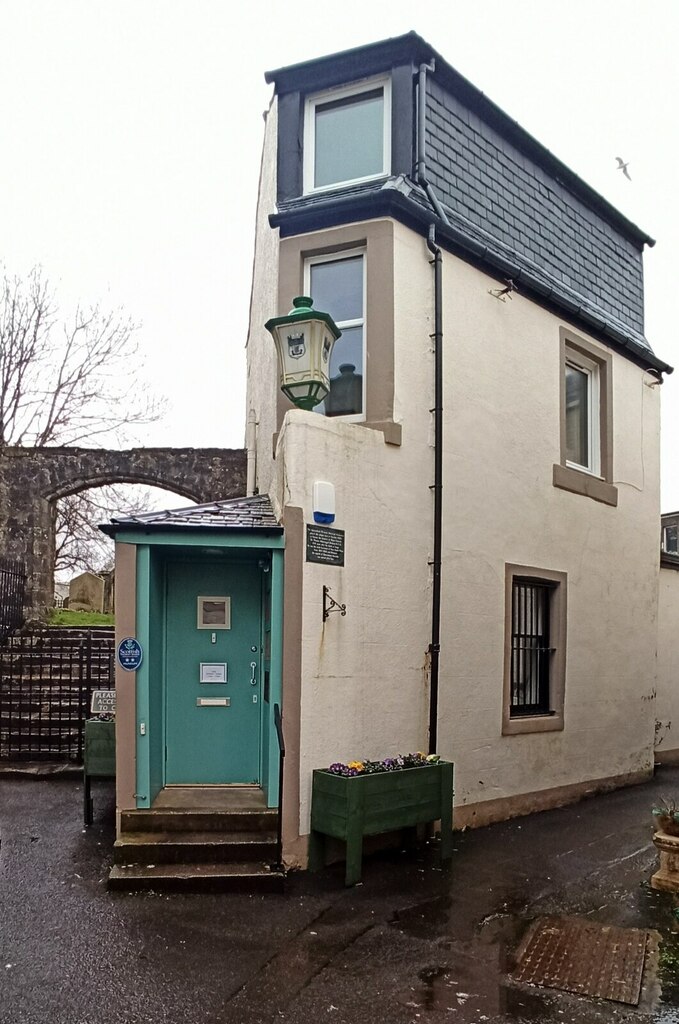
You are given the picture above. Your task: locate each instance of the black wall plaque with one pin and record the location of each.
(325, 545)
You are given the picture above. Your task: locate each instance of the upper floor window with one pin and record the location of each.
(586, 420)
(347, 136)
(337, 286)
(582, 413)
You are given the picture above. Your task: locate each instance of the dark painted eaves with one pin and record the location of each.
(400, 199)
(350, 65)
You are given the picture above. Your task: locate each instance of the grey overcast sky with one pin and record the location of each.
(131, 139)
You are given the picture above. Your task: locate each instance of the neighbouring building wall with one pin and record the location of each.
(262, 368)
(667, 700)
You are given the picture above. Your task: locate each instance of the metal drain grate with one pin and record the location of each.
(583, 957)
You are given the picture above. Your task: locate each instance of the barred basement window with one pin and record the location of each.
(531, 650)
(535, 649)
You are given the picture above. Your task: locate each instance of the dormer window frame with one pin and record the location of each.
(316, 100)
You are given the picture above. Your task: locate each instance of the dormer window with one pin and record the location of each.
(347, 136)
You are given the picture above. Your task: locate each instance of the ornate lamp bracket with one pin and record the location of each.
(331, 605)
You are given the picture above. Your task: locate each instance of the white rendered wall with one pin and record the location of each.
(364, 677)
(364, 684)
(502, 438)
(262, 366)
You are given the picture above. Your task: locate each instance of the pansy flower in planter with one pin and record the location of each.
(389, 764)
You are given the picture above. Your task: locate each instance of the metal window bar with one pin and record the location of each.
(531, 651)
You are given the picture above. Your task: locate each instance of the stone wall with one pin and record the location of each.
(33, 479)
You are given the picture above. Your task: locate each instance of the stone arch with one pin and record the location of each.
(33, 479)
(65, 489)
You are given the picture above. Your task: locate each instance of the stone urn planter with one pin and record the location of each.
(349, 808)
(666, 841)
(666, 877)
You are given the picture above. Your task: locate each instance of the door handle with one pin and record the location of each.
(253, 677)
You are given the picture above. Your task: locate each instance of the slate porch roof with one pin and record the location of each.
(231, 514)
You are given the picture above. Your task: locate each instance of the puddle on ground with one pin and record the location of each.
(470, 992)
(470, 985)
(472, 981)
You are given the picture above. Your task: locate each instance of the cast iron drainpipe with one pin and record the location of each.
(435, 645)
(421, 173)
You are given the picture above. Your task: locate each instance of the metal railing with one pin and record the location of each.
(12, 592)
(46, 682)
(278, 722)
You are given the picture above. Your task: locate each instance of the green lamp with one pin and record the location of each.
(304, 340)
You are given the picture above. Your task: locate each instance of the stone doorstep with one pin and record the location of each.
(235, 877)
(227, 845)
(194, 847)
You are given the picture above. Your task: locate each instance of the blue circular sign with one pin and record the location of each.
(129, 654)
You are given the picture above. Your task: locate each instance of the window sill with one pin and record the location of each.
(553, 722)
(569, 479)
(343, 186)
(392, 431)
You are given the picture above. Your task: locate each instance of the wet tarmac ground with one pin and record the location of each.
(413, 944)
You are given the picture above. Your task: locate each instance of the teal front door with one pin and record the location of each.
(213, 673)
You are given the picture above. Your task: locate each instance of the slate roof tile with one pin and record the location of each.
(254, 513)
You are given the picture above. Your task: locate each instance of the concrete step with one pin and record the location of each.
(215, 877)
(199, 820)
(194, 847)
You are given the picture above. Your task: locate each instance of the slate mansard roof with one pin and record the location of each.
(513, 208)
(231, 514)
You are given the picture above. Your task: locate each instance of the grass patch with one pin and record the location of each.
(66, 617)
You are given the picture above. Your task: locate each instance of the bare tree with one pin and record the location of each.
(79, 544)
(68, 380)
(65, 379)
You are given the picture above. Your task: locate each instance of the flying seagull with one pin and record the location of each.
(622, 166)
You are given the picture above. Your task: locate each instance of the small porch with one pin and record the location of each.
(198, 724)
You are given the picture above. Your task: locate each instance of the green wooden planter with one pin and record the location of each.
(366, 805)
(99, 758)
